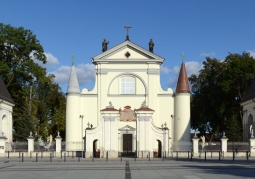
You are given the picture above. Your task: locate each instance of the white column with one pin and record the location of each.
(31, 140)
(58, 144)
(252, 146)
(195, 140)
(2, 146)
(224, 144)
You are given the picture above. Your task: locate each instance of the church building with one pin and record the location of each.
(127, 111)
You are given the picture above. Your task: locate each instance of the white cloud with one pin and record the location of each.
(193, 68)
(51, 60)
(252, 53)
(165, 69)
(85, 74)
(211, 54)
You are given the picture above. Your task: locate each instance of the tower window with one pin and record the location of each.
(127, 85)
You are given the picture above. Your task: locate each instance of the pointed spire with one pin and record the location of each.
(73, 85)
(183, 84)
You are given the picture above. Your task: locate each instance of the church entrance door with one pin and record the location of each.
(127, 145)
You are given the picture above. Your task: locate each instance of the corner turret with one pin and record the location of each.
(73, 85)
(182, 110)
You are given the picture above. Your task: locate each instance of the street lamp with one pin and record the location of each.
(135, 114)
(164, 135)
(81, 116)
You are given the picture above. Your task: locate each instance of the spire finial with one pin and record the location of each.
(183, 57)
(127, 27)
(73, 58)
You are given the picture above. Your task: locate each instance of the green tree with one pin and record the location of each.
(23, 124)
(27, 83)
(217, 92)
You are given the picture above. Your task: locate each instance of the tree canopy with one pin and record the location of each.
(217, 92)
(39, 101)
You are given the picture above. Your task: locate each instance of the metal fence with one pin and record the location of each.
(19, 146)
(49, 146)
(182, 146)
(209, 146)
(238, 146)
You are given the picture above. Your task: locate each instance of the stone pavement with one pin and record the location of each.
(11, 168)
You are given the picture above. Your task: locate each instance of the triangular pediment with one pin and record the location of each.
(127, 128)
(127, 51)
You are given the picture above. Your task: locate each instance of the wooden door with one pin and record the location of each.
(127, 143)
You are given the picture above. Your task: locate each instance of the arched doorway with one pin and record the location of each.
(159, 148)
(5, 126)
(96, 151)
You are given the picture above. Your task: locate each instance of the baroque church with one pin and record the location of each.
(127, 112)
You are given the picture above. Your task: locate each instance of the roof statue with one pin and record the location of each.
(183, 57)
(104, 45)
(151, 46)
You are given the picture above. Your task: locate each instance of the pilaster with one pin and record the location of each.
(2, 146)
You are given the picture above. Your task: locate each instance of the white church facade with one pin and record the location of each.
(127, 111)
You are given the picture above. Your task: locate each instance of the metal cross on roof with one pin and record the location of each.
(127, 27)
(73, 58)
(183, 57)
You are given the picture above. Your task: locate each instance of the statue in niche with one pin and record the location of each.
(104, 45)
(151, 45)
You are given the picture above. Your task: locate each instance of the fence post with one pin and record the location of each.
(177, 155)
(106, 156)
(211, 154)
(219, 155)
(233, 155)
(50, 157)
(92, 156)
(191, 155)
(149, 156)
(8, 153)
(36, 159)
(135, 156)
(205, 155)
(188, 154)
(22, 157)
(41, 154)
(30, 154)
(162, 155)
(121, 156)
(79, 159)
(72, 154)
(64, 157)
(61, 154)
(247, 155)
(19, 154)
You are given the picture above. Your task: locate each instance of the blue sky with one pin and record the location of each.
(198, 28)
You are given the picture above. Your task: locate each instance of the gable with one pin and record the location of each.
(127, 51)
(127, 128)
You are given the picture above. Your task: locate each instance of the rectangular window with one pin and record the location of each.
(127, 85)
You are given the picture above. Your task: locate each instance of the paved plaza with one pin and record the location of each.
(11, 168)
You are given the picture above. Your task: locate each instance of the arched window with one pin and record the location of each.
(127, 85)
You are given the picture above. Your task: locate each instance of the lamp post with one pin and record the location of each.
(81, 116)
(135, 114)
(164, 135)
